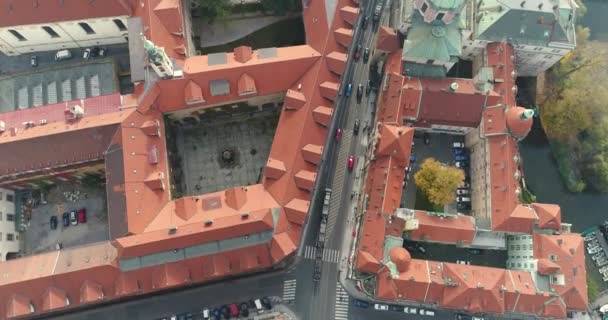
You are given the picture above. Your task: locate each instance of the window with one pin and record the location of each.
(17, 35)
(440, 16)
(430, 61)
(10, 217)
(86, 27)
(120, 25)
(0, 195)
(424, 7)
(10, 237)
(50, 31)
(10, 198)
(553, 257)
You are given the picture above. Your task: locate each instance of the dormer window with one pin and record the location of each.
(440, 16)
(424, 7)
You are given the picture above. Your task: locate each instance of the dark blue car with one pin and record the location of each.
(66, 219)
(349, 90)
(462, 157)
(216, 314)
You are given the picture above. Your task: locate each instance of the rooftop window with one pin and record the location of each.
(86, 28)
(17, 35)
(120, 25)
(50, 31)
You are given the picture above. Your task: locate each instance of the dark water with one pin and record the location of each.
(583, 210)
(597, 10)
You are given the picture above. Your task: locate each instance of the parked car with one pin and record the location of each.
(244, 308)
(381, 307)
(53, 222)
(82, 215)
(412, 157)
(361, 303)
(64, 54)
(461, 164)
(34, 61)
(463, 199)
(351, 162)
(86, 54)
(461, 157)
(206, 314)
(216, 314)
(234, 310)
(103, 51)
(73, 218)
(364, 22)
(356, 127)
(395, 308)
(338, 135)
(463, 206)
(465, 185)
(359, 93)
(266, 303)
(365, 55)
(475, 251)
(426, 138)
(95, 52)
(258, 305)
(349, 90)
(429, 313)
(413, 310)
(66, 219)
(368, 87)
(357, 52)
(225, 311)
(462, 192)
(459, 145)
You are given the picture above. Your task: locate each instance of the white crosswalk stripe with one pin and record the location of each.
(289, 290)
(331, 255)
(310, 252)
(342, 303)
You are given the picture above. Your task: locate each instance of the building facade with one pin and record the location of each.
(9, 239)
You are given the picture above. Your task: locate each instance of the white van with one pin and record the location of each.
(63, 55)
(463, 199)
(258, 305)
(430, 313)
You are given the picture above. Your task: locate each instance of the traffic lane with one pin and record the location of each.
(189, 300)
(356, 313)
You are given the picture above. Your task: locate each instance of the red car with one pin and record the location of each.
(338, 135)
(82, 215)
(351, 162)
(234, 310)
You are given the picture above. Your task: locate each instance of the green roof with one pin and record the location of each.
(506, 20)
(424, 70)
(429, 42)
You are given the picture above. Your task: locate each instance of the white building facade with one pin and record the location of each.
(22, 39)
(9, 237)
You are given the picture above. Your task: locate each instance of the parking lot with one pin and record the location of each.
(453, 254)
(596, 260)
(440, 148)
(61, 198)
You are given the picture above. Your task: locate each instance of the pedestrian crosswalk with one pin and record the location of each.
(328, 255)
(289, 290)
(341, 309)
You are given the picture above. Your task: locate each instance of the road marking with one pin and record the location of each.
(310, 252)
(289, 290)
(342, 303)
(338, 184)
(331, 255)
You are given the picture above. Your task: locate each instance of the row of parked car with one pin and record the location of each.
(462, 160)
(73, 217)
(395, 308)
(229, 311)
(66, 54)
(598, 255)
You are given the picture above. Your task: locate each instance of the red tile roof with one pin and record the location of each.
(447, 229)
(549, 215)
(473, 288)
(18, 13)
(504, 185)
(395, 141)
(518, 127)
(388, 39)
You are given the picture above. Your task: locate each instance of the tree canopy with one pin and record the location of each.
(438, 181)
(212, 9)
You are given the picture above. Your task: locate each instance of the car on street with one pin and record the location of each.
(73, 218)
(465, 185)
(364, 22)
(365, 55)
(64, 54)
(86, 54)
(206, 314)
(359, 92)
(351, 162)
(412, 158)
(53, 222)
(463, 206)
(244, 308)
(459, 145)
(356, 127)
(462, 316)
(234, 310)
(368, 87)
(102, 52)
(475, 251)
(461, 164)
(463, 199)
(381, 307)
(349, 90)
(338, 135)
(361, 304)
(217, 314)
(66, 219)
(413, 310)
(461, 157)
(82, 215)
(395, 308)
(357, 52)
(426, 138)
(34, 61)
(462, 192)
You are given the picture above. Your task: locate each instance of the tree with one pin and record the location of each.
(438, 181)
(212, 9)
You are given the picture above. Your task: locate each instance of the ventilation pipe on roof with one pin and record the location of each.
(208, 222)
(522, 4)
(244, 215)
(454, 86)
(299, 87)
(173, 230)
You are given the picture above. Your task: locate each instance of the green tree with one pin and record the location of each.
(438, 181)
(596, 173)
(212, 9)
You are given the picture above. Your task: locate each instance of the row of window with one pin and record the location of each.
(10, 237)
(520, 247)
(85, 27)
(9, 197)
(520, 257)
(519, 265)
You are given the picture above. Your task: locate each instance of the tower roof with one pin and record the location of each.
(519, 121)
(401, 258)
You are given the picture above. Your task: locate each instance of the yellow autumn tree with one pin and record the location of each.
(438, 181)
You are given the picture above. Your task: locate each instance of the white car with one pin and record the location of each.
(413, 310)
(462, 192)
(381, 307)
(463, 199)
(461, 164)
(206, 314)
(458, 145)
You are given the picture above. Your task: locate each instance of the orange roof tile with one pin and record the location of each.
(91, 292)
(305, 179)
(504, 184)
(367, 262)
(54, 298)
(312, 153)
(274, 169)
(546, 266)
(388, 39)
(520, 293)
(170, 275)
(554, 308)
(494, 121)
(126, 285)
(236, 197)
(322, 115)
(401, 258)
(185, 208)
(169, 13)
(336, 62)
(391, 101)
(296, 211)
(193, 93)
(163, 24)
(473, 288)
(349, 14)
(243, 54)
(343, 36)
(447, 229)
(395, 141)
(18, 305)
(329, 90)
(518, 126)
(281, 246)
(521, 219)
(549, 215)
(294, 99)
(385, 287)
